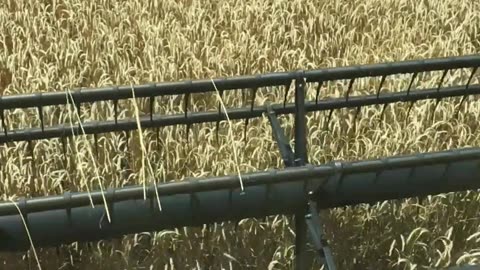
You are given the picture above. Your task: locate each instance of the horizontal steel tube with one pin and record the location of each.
(192, 203)
(231, 83)
(251, 179)
(97, 127)
(385, 69)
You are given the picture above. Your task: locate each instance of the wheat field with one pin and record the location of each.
(53, 45)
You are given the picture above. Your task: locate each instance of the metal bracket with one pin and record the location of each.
(282, 142)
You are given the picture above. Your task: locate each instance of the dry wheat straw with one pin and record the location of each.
(79, 160)
(230, 135)
(28, 234)
(144, 151)
(89, 150)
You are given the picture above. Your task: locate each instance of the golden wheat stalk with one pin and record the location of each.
(230, 135)
(144, 151)
(89, 150)
(28, 234)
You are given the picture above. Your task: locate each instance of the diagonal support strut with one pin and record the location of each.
(279, 136)
(315, 228)
(308, 221)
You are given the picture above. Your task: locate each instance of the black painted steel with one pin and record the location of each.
(98, 127)
(279, 135)
(232, 83)
(54, 220)
(61, 219)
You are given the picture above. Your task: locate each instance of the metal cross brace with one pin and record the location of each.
(282, 142)
(309, 221)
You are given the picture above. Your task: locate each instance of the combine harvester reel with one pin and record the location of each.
(300, 189)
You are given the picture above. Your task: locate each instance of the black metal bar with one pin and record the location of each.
(302, 258)
(233, 83)
(287, 89)
(234, 114)
(282, 142)
(267, 177)
(381, 84)
(300, 121)
(151, 106)
(4, 125)
(414, 76)
(315, 227)
(474, 70)
(386, 69)
(317, 94)
(350, 87)
(362, 182)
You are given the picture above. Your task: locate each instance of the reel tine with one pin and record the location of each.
(442, 79)
(217, 129)
(64, 150)
(357, 112)
(457, 112)
(318, 91)
(151, 107)
(328, 119)
(95, 138)
(245, 129)
(409, 110)
(438, 91)
(127, 139)
(76, 96)
(287, 89)
(381, 84)
(350, 86)
(414, 76)
(219, 115)
(382, 114)
(33, 165)
(219, 104)
(254, 94)
(4, 125)
(474, 70)
(115, 109)
(115, 105)
(188, 127)
(242, 91)
(158, 138)
(40, 114)
(31, 150)
(435, 107)
(186, 102)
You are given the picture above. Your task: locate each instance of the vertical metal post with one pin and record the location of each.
(301, 252)
(300, 121)
(302, 260)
